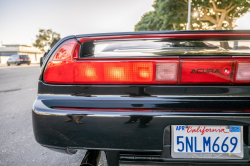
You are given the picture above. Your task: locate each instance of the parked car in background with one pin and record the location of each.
(163, 97)
(18, 59)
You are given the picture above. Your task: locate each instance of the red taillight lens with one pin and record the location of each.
(60, 68)
(21, 59)
(114, 72)
(65, 52)
(206, 71)
(28, 59)
(123, 72)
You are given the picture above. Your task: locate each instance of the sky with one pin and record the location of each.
(20, 20)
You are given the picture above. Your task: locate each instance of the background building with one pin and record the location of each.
(9, 49)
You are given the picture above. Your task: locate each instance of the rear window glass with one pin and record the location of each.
(23, 56)
(149, 47)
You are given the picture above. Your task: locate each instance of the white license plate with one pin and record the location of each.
(194, 141)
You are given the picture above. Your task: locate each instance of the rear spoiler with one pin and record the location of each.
(197, 34)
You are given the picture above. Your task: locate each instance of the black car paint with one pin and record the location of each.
(98, 128)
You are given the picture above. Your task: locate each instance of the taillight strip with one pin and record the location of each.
(63, 69)
(113, 72)
(157, 71)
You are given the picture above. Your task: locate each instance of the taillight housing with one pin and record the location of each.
(65, 67)
(60, 68)
(21, 59)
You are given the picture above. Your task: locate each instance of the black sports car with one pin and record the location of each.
(174, 97)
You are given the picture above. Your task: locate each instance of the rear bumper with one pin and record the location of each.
(22, 62)
(109, 130)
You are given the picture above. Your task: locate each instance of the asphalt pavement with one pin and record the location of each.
(18, 91)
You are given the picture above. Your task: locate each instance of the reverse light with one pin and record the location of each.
(166, 71)
(243, 72)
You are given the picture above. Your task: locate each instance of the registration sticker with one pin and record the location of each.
(197, 141)
(235, 128)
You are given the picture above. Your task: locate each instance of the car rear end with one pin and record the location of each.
(24, 59)
(148, 97)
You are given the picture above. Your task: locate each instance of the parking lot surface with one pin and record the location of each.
(18, 91)
(3, 66)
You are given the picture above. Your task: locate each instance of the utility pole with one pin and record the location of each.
(189, 15)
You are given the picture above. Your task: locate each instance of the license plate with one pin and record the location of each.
(194, 141)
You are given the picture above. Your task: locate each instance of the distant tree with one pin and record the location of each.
(220, 14)
(210, 14)
(45, 38)
(148, 22)
(168, 15)
(172, 13)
